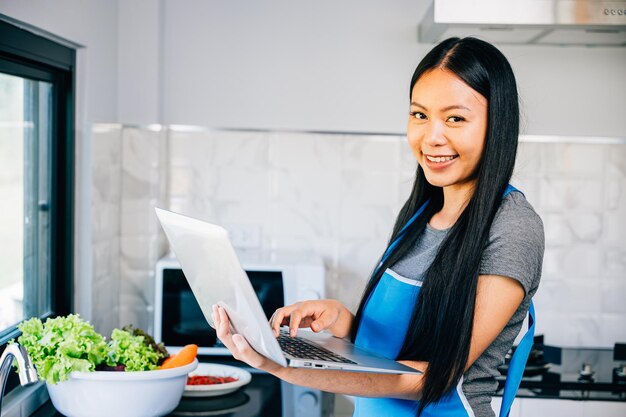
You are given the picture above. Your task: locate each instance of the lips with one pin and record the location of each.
(440, 158)
(437, 162)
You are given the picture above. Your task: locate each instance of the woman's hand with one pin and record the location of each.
(319, 315)
(238, 345)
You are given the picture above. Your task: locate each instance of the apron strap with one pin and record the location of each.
(509, 189)
(401, 234)
(520, 356)
(517, 365)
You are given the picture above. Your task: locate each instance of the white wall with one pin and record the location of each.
(576, 91)
(323, 65)
(92, 24)
(345, 66)
(139, 46)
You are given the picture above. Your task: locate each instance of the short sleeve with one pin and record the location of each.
(516, 243)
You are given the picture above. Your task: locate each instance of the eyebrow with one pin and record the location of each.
(454, 106)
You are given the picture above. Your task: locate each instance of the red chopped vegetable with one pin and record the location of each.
(209, 380)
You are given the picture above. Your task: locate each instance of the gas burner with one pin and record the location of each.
(619, 374)
(586, 373)
(567, 379)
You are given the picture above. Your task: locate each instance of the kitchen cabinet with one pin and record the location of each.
(496, 402)
(536, 407)
(604, 409)
(550, 408)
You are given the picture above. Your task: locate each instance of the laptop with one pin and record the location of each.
(215, 276)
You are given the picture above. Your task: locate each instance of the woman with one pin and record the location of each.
(450, 293)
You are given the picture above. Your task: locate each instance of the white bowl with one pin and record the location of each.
(243, 377)
(121, 394)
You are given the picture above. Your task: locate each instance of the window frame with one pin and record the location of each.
(28, 55)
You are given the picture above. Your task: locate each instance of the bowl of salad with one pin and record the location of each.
(86, 376)
(129, 394)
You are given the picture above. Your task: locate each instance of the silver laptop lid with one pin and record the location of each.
(215, 276)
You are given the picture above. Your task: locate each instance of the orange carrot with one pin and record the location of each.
(184, 357)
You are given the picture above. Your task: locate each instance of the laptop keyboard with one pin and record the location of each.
(302, 349)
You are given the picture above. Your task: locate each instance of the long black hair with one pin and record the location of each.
(442, 318)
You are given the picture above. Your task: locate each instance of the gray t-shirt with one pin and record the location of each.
(514, 249)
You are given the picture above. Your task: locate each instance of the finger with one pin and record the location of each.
(276, 321)
(306, 322)
(281, 317)
(294, 323)
(241, 343)
(219, 325)
(214, 316)
(325, 320)
(224, 319)
(321, 323)
(223, 329)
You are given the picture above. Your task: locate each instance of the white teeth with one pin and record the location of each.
(440, 158)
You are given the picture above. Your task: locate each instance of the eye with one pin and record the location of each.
(460, 119)
(418, 115)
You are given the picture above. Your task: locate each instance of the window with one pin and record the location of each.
(36, 177)
(25, 133)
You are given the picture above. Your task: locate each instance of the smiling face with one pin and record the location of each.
(447, 128)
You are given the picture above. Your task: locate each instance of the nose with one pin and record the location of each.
(434, 134)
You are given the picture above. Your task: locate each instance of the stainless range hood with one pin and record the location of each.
(527, 22)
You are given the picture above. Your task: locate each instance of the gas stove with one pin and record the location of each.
(573, 373)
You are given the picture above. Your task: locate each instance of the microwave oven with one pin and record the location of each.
(278, 277)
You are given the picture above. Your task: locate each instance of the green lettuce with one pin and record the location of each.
(148, 340)
(62, 345)
(134, 352)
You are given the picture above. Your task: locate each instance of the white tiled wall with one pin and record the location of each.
(581, 195)
(338, 194)
(129, 180)
(141, 243)
(106, 203)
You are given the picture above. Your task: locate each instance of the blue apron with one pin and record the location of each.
(382, 330)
